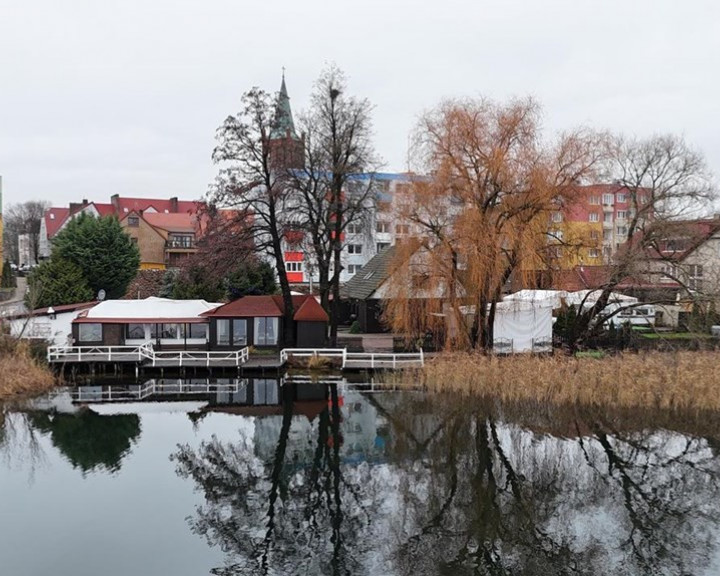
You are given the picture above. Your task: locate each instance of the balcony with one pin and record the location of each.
(608, 208)
(180, 243)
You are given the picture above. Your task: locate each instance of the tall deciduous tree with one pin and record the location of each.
(252, 180)
(482, 214)
(336, 185)
(665, 182)
(108, 258)
(25, 218)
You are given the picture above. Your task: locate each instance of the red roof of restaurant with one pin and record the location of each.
(306, 308)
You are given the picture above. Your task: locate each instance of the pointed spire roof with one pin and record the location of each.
(284, 124)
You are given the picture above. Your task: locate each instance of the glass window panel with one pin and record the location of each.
(172, 331)
(90, 332)
(198, 330)
(223, 332)
(135, 332)
(239, 332)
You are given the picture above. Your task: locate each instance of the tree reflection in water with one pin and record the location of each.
(463, 487)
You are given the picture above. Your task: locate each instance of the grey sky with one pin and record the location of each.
(98, 98)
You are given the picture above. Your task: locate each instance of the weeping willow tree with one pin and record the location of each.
(482, 216)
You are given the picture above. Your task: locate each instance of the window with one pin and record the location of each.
(380, 246)
(134, 240)
(594, 217)
(198, 331)
(620, 197)
(695, 274)
(608, 199)
(181, 241)
(593, 253)
(556, 217)
(558, 252)
(420, 281)
(622, 230)
(172, 331)
(402, 229)
(239, 332)
(593, 235)
(556, 235)
(133, 221)
(354, 228)
(223, 332)
(266, 331)
(52, 216)
(382, 227)
(621, 214)
(294, 266)
(265, 391)
(354, 248)
(595, 200)
(90, 333)
(135, 331)
(607, 217)
(354, 268)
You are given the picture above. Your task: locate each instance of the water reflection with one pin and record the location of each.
(88, 440)
(403, 483)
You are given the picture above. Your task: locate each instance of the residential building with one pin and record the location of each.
(166, 231)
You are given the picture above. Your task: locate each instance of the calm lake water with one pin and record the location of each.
(318, 478)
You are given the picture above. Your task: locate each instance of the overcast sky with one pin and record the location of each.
(98, 98)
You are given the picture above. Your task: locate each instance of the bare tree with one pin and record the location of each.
(21, 219)
(336, 184)
(483, 214)
(667, 183)
(253, 181)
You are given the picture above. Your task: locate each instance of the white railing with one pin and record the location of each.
(104, 353)
(199, 357)
(146, 351)
(374, 360)
(153, 388)
(287, 353)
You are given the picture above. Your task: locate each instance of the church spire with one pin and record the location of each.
(284, 126)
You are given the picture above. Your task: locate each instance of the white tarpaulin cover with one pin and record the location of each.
(523, 323)
(554, 296)
(151, 308)
(591, 296)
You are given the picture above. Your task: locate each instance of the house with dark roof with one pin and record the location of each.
(362, 291)
(258, 321)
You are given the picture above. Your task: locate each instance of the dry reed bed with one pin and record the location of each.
(20, 375)
(679, 381)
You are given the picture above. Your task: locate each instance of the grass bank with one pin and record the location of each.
(21, 375)
(680, 380)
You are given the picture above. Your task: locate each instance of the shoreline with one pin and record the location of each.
(687, 380)
(22, 376)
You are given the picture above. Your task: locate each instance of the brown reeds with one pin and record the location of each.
(21, 376)
(679, 381)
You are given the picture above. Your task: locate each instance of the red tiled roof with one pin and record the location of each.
(177, 222)
(306, 308)
(311, 311)
(158, 204)
(247, 307)
(54, 218)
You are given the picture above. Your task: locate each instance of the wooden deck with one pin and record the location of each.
(146, 356)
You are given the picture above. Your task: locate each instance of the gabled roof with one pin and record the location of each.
(306, 308)
(54, 218)
(125, 205)
(310, 311)
(247, 307)
(373, 274)
(178, 222)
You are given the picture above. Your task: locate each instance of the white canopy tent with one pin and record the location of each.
(555, 297)
(526, 326)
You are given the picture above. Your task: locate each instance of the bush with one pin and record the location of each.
(355, 327)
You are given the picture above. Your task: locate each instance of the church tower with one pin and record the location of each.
(287, 150)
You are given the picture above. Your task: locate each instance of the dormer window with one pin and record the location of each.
(52, 216)
(133, 221)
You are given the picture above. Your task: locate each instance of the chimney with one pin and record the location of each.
(115, 201)
(173, 204)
